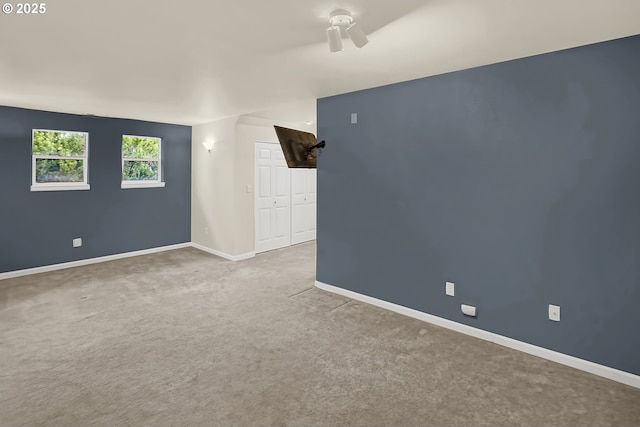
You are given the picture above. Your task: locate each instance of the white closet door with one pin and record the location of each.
(303, 205)
(273, 198)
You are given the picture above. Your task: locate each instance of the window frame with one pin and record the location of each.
(124, 184)
(60, 186)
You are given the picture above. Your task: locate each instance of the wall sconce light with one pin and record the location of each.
(208, 144)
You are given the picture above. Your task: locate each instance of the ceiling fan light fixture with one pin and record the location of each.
(341, 23)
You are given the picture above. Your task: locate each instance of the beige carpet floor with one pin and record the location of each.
(184, 338)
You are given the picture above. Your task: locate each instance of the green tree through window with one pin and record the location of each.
(59, 157)
(140, 158)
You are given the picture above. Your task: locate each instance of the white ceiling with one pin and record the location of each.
(195, 61)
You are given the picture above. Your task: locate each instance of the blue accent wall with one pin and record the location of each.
(518, 181)
(37, 228)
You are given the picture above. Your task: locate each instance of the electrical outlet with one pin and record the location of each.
(554, 312)
(354, 118)
(450, 289)
(469, 310)
(77, 242)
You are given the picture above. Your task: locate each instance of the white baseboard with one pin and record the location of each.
(240, 257)
(54, 267)
(564, 359)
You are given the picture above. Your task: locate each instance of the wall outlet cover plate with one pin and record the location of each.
(554, 312)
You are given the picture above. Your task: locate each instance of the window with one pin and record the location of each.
(141, 162)
(59, 160)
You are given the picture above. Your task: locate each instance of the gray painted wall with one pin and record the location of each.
(36, 228)
(517, 181)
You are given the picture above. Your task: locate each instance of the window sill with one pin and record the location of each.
(128, 185)
(60, 187)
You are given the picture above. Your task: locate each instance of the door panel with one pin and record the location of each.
(298, 223)
(264, 153)
(265, 181)
(312, 181)
(282, 181)
(312, 205)
(264, 220)
(298, 209)
(282, 222)
(311, 214)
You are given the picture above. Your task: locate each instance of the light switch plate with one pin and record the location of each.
(450, 289)
(354, 118)
(77, 242)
